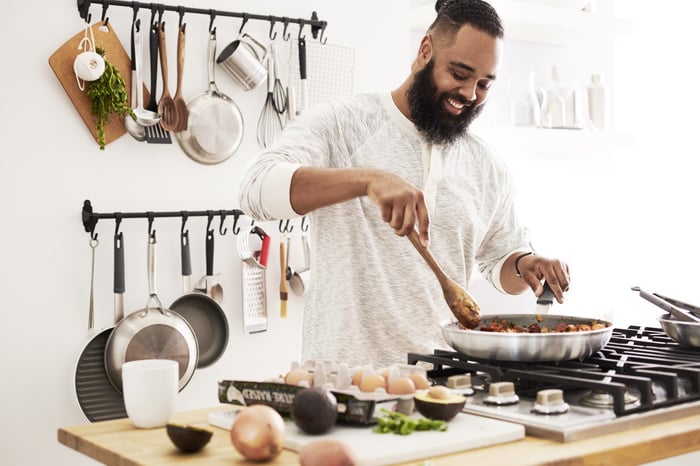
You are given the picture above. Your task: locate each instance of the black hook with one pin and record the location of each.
(151, 231)
(105, 5)
(235, 227)
(322, 39)
(117, 223)
(184, 215)
(272, 20)
(301, 28)
(210, 216)
(212, 16)
(222, 217)
(181, 11)
(287, 227)
(161, 9)
(134, 7)
(245, 20)
(154, 10)
(285, 35)
(304, 226)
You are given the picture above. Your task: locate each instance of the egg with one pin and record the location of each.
(299, 376)
(401, 386)
(419, 380)
(371, 382)
(357, 377)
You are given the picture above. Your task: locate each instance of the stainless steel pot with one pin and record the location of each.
(214, 124)
(528, 347)
(152, 333)
(684, 332)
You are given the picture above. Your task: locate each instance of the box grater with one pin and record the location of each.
(253, 281)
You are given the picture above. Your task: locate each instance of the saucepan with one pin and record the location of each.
(682, 323)
(528, 347)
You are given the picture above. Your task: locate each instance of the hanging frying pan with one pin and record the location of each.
(214, 125)
(203, 313)
(152, 333)
(97, 397)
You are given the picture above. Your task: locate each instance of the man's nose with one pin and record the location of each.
(468, 91)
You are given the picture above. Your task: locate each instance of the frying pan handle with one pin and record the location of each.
(302, 58)
(210, 252)
(185, 259)
(153, 44)
(151, 265)
(119, 263)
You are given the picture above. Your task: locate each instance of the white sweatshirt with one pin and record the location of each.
(372, 298)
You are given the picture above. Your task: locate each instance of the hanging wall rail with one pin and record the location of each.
(317, 26)
(91, 218)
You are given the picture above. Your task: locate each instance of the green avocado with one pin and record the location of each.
(188, 439)
(439, 403)
(314, 410)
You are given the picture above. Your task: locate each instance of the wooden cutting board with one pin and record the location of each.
(61, 62)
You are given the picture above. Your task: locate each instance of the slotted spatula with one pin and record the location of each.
(155, 134)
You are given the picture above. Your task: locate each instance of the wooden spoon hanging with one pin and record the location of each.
(166, 105)
(460, 302)
(180, 104)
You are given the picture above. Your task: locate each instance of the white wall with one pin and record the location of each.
(50, 165)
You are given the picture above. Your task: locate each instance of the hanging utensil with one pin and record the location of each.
(97, 397)
(166, 105)
(180, 104)
(132, 126)
(284, 288)
(143, 117)
(269, 123)
(302, 74)
(279, 94)
(215, 123)
(155, 134)
(460, 302)
(152, 333)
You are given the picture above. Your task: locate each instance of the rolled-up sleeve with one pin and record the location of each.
(264, 193)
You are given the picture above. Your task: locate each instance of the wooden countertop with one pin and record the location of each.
(117, 442)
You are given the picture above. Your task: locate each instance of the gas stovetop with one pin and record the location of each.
(639, 378)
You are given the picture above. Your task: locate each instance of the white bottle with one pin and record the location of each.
(598, 105)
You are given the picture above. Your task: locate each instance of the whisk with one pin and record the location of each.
(269, 123)
(279, 94)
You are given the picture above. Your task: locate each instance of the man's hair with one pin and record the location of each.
(453, 14)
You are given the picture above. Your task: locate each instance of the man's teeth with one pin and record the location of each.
(455, 104)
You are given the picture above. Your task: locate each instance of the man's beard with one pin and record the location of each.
(428, 113)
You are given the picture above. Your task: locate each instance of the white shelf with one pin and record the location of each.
(525, 21)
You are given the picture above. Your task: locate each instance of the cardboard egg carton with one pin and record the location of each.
(354, 405)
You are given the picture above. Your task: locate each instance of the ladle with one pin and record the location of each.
(132, 127)
(672, 306)
(143, 117)
(460, 302)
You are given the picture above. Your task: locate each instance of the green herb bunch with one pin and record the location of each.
(108, 95)
(401, 424)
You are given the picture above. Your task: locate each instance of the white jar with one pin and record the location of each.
(598, 104)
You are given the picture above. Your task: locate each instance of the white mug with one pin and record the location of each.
(150, 388)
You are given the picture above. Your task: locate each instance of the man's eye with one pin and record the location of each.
(459, 76)
(486, 85)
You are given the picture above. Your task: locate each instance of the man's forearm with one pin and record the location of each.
(312, 187)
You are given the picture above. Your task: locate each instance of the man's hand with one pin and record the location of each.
(401, 204)
(534, 269)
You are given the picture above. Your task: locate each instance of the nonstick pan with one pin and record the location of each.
(204, 314)
(528, 347)
(214, 124)
(152, 333)
(97, 397)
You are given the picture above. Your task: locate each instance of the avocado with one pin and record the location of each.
(314, 410)
(188, 439)
(438, 402)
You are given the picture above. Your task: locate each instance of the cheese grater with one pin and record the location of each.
(253, 281)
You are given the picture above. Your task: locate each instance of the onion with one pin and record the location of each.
(258, 433)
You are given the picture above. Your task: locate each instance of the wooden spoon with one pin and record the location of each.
(460, 302)
(180, 104)
(166, 105)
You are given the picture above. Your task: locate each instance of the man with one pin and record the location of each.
(375, 163)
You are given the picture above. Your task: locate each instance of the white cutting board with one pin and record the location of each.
(465, 432)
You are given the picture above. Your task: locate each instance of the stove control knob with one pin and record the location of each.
(461, 384)
(550, 402)
(502, 393)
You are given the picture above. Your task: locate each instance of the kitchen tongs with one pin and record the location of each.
(679, 309)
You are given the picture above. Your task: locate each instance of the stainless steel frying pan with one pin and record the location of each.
(528, 347)
(682, 323)
(215, 123)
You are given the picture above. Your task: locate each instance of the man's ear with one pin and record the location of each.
(425, 50)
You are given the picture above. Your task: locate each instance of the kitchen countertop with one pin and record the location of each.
(117, 442)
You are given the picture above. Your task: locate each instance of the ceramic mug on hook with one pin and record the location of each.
(242, 61)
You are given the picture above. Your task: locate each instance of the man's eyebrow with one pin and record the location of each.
(471, 69)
